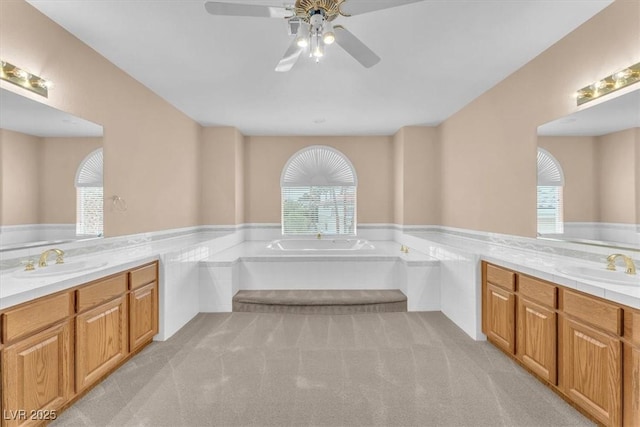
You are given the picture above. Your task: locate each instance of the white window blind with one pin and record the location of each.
(89, 195)
(318, 193)
(550, 198)
(89, 212)
(550, 215)
(312, 210)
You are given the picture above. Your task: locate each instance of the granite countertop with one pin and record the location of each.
(17, 286)
(425, 249)
(535, 262)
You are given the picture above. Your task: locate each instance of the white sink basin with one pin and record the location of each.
(59, 269)
(618, 277)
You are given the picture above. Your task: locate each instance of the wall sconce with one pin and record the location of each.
(24, 79)
(615, 81)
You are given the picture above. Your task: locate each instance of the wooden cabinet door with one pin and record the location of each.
(631, 386)
(37, 376)
(592, 371)
(101, 341)
(500, 321)
(143, 315)
(536, 340)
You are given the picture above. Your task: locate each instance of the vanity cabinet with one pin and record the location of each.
(592, 355)
(37, 360)
(537, 327)
(55, 348)
(631, 369)
(101, 329)
(499, 303)
(584, 347)
(143, 306)
(36, 376)
(592, 371)
(101, 341)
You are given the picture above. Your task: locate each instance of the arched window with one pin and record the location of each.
(550, 183)
(89, 198)
(318, 193)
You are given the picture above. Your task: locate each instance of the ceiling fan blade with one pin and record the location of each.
(233, 9)
(290, 57)
(355, 47)
(358, 7)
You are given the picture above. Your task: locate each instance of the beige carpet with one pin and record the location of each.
(387, 369)
(314, 301)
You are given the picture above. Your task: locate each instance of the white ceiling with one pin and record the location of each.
(437, 56)
(619, 113)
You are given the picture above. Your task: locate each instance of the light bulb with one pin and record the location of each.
(41, 83)
(328, 35)
(318, 52)
(21, 74)
(317, 48)
(302, 38)
(624, 74)
(329, 38)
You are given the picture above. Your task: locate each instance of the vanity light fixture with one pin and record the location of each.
(24, 79)
(611, 83)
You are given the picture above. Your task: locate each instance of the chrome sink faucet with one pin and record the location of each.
(611, 263)
(43, 258)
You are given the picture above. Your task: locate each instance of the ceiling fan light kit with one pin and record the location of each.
(312, 21)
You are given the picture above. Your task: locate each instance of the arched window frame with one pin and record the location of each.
(550, 212)
(319, 193)
(89, 195)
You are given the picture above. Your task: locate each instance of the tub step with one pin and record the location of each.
(320, 301)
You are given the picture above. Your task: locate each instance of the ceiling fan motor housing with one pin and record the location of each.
(307, 9)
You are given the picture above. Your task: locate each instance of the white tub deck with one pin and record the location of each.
(253, 266)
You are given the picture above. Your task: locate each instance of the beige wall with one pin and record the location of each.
(577, 157)
(38, 177)
(616, 171)
(59, 162)
(221, 171)
(150, 148)
(489, 147)
(416, 157)
(486, 151)
(266, 156)
(600, 175)
(19, 174)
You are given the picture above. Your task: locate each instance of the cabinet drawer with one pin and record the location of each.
(143, 275)
(605, 316)
(35, 316)
(537, 290)
(501, 277)
(104, 290)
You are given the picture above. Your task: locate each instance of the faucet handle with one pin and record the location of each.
(28, 265)
(59, 258)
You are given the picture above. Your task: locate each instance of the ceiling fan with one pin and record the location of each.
(311, 21)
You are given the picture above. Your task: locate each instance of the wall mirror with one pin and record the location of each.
(589, 175)
(44, 197)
